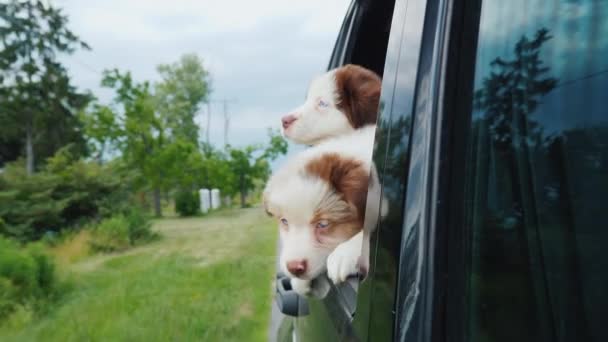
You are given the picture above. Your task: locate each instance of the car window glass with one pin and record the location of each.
(537, 173)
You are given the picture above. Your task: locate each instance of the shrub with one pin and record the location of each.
(111, 234)
(66, 194)
(187, 203)
(139, 227)
(121, 231)
(27, 277)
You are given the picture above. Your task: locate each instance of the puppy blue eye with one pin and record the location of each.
(322, 224)
(323, 104)
(284, 221)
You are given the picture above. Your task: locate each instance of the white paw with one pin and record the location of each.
(342, 262)
(302, 287)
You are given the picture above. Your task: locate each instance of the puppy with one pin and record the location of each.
(340, 101)
(319, 198)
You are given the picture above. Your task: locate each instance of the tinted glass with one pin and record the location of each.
(537, 173)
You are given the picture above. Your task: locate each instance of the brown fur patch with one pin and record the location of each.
(342, 217)
(358, 94)
(349, 178)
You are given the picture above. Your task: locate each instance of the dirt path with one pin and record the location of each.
(209, 239)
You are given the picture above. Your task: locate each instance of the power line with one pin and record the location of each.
(582, 78)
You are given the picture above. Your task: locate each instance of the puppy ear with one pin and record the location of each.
(358, 94)
(347, 176)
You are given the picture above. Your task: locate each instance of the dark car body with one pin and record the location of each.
(492, 150)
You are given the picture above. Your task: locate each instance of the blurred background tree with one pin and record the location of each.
(94, 158)
(37, 98)
(185, 86)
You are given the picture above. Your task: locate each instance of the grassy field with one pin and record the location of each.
(206, 279)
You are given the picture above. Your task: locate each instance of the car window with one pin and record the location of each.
(537, 174)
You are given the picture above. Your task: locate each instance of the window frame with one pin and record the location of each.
(450, 54)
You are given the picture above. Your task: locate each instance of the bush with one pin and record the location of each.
(121, 232)
(66, 194)
(111, 234)
(27, 277)
(139, 227)
(187, 203)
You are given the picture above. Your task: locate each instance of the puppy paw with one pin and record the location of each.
(343, 261)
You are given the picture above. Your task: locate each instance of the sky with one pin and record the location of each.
(261, 54)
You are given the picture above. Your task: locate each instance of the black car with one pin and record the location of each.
(492, 148)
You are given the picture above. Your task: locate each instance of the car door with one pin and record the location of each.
(504, 221)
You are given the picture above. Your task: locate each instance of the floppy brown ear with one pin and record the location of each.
(358, 94)
(347, 176)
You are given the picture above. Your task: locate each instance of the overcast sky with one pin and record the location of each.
(260, 53)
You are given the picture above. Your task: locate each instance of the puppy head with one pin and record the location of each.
(318, 208)
(337, 102)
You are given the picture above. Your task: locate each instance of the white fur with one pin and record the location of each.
(315, 123)
(343, 261)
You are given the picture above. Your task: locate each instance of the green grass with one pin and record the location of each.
(207, 279)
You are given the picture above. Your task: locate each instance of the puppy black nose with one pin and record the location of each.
(297, 267)
(287, 120)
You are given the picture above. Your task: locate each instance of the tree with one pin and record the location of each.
(37, 99)
(101, 128)
(513, 91)
(184, 87)
(142, 130)
(252, 162)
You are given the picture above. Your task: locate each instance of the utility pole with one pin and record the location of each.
(225, 103)
(226, 123)
(208, 121)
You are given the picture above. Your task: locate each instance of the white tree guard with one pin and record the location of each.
(215, 199)
(205, 200)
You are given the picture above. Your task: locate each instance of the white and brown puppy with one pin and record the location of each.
(319, 199)
(338, 102)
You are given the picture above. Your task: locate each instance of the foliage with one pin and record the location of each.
(36, 95)
(142, 130)
(514, 89)
(27, 277)
(101, 129)
(111, 234)
(184, 87)
(67, 193)
(252, 163)
(120, 232)
(140, 227)
(187, 203)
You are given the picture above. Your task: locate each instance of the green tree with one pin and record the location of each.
(37, 100)
(252, 163)
(143, 133)
(185, 86)
(102, 129)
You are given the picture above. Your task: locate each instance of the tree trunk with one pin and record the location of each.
(243, 199)
(243, 192)
(29, 150)
(157, 209)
